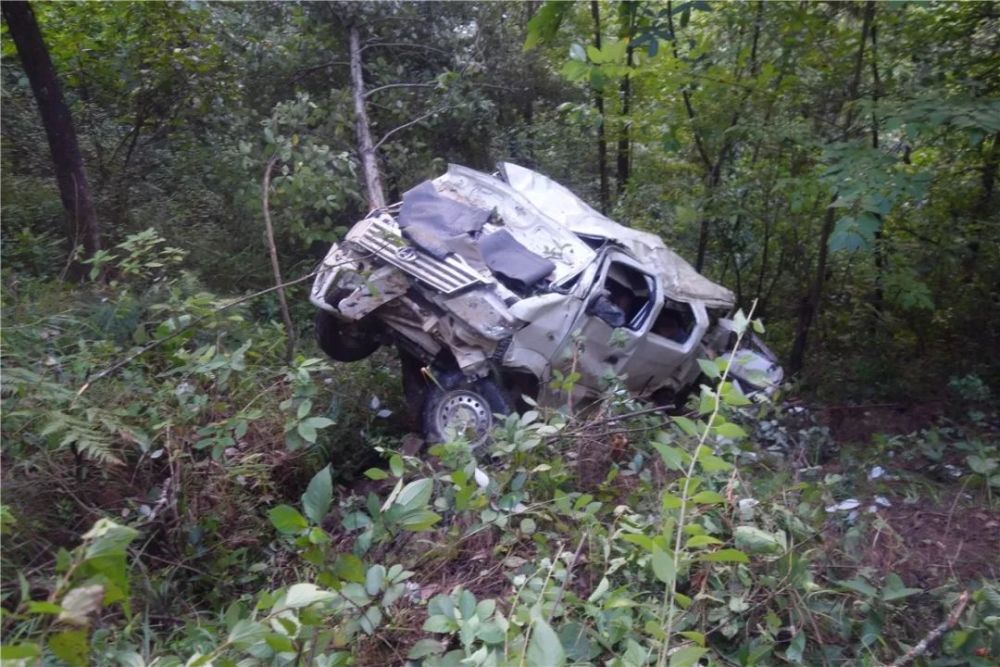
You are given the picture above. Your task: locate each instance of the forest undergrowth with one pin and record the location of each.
(207, 503)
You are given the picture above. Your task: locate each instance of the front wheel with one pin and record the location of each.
(464, 411)
(345, 341)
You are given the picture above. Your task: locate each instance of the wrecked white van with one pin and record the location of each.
(491, 286)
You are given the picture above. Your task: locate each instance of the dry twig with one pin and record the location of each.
(935, 634)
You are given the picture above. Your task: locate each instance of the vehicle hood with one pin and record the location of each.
(557, 203)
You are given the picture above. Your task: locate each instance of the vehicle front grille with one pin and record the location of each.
(382, 237)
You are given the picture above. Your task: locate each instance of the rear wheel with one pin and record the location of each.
(345, 341)
(465, 410)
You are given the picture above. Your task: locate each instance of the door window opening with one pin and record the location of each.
(631, 291)
(675, 322)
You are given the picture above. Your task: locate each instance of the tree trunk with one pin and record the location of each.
(602, 142)
(624, 159)
(366, 147)
(811, 303)
(74, 188)
(879, 243)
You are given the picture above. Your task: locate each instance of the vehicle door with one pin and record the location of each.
(616, 315)
(667, 357)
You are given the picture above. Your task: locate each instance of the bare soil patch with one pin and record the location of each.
(929, 544)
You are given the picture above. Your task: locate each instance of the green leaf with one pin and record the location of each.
(726, 556)
(663, 565)
(640, 540)
(36, 607)
(439, 623)
(303, 595)
(424, 648)
(708, 498)
(416, 494)
(350, 568)
(708, 403)
(544, 25)
(108, 538)
(574, 70)
(396, 465)
(672, 457)
(756, 541)
(895, 589)
(701, 541)
(374, 579)
(687, 425)
(544, 648)
(419, 520)
(861, 586)
(319, 422)
(709, 368)
(376, 474)
(318, 496)
(279, 643)
(796, 648)
(22, 651)
(731, 431)
(246, 633)
(697, 637)
(287, 519)
(671, 502)
(687, 656)
(306, 431)
(711, 463)
(71, 647)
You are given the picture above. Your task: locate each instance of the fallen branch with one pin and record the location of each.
(156, 343)
(935, 634)
(275, 264)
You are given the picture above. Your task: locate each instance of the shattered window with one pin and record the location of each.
(675, 322)
(631, 291)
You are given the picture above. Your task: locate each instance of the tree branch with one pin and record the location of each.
(932, 636)
(309, 70)
(399, 85)
(405, 45)
(198, 320)
(275, 265)
(416, 120)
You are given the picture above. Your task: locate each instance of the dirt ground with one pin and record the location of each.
(928, 544)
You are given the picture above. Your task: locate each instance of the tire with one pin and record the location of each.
(344, 341)
(463, 406)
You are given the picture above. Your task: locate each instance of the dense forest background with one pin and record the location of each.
(835, 164)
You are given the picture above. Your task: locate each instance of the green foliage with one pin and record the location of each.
(221, 486)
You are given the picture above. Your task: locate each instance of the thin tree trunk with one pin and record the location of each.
(366, 147)
(275, 265)
(878, 250)
(624, 149)
(74, 187)
(810, 304)
(602, 142)
(624, 158)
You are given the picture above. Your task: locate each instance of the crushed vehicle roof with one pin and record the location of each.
(540, 235)
(559, 204)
